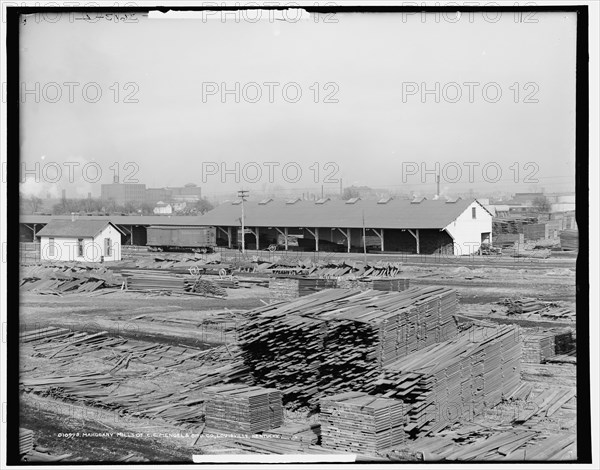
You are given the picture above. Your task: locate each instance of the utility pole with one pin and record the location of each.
(364, 238)
(243, 195)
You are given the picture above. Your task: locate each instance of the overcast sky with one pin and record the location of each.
(372, 130)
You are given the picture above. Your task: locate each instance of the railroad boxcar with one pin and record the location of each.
(181, 238)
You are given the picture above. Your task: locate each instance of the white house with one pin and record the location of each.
(80, 240)
(163, 208)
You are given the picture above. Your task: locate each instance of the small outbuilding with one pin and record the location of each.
(80, 240)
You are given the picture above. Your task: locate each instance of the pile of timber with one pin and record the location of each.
(240, 408)
(530, 306)
(523, 306)
(299, 432)
(157, 281)
(395, 284)
(538, 347)
(511, 225)
(339, 340)
(474, 371)
(383, 269)
(292, 287)
(204, 287)
(25, 441)
(154, 281)
(66, 279)
(361, 423)
(569, 240)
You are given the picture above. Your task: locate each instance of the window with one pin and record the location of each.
(107, 247)
(51, 247)
(474, 212)
(80, 246)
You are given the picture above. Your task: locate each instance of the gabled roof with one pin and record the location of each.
(394, 214)
(79, 228)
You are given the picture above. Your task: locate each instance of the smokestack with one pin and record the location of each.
(64, 194)
(341, 188)
(437, 180)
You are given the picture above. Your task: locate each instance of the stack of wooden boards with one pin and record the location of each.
(25, 441)
(528, 306)
(240, 408)
(361, 423)
(338, 340)
(49, 279)
(475, 370)
(394, 284)
(292, 287)
(157, 281)
(569, 240)
(540, 346)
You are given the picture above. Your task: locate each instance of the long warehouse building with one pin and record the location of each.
(423, 226)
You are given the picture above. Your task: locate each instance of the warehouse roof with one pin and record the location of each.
(118, 219)
(386, 213)
(73, 228)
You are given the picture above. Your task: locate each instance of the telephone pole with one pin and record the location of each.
(243, 195)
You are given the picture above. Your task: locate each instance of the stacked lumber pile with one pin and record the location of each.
(523, 306)
(475, 370)
(383, 269)
(511, 225)
(48, 279)
(157, 281)
(240, 408)
(25, 441)
(292, 287)
(338, 340)
(536, 307)
(299, 432)
(569, 240)
(361, 423)
(537, 347)
(204, 287)
(396, 284)
(154, 281)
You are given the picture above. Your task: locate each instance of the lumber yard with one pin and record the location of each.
(388, 358)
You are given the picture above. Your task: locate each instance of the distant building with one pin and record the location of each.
(162, 208)
(80, 240)
(121, 193)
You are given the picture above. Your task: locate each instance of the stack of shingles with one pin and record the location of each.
(25, 441)
(475, 370)
(240, 408)
(361, 423)
(338, 340)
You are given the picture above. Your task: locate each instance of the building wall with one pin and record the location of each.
(123, 193)
(467, 232)
(66, 248)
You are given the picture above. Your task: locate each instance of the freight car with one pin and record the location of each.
(181, 238)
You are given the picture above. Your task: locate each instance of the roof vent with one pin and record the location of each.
(322, 200)
(353, 200)
(237, 202)
(293, 201)
(453, 200)
(385, 200)
(418, 200)
(264, 202)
